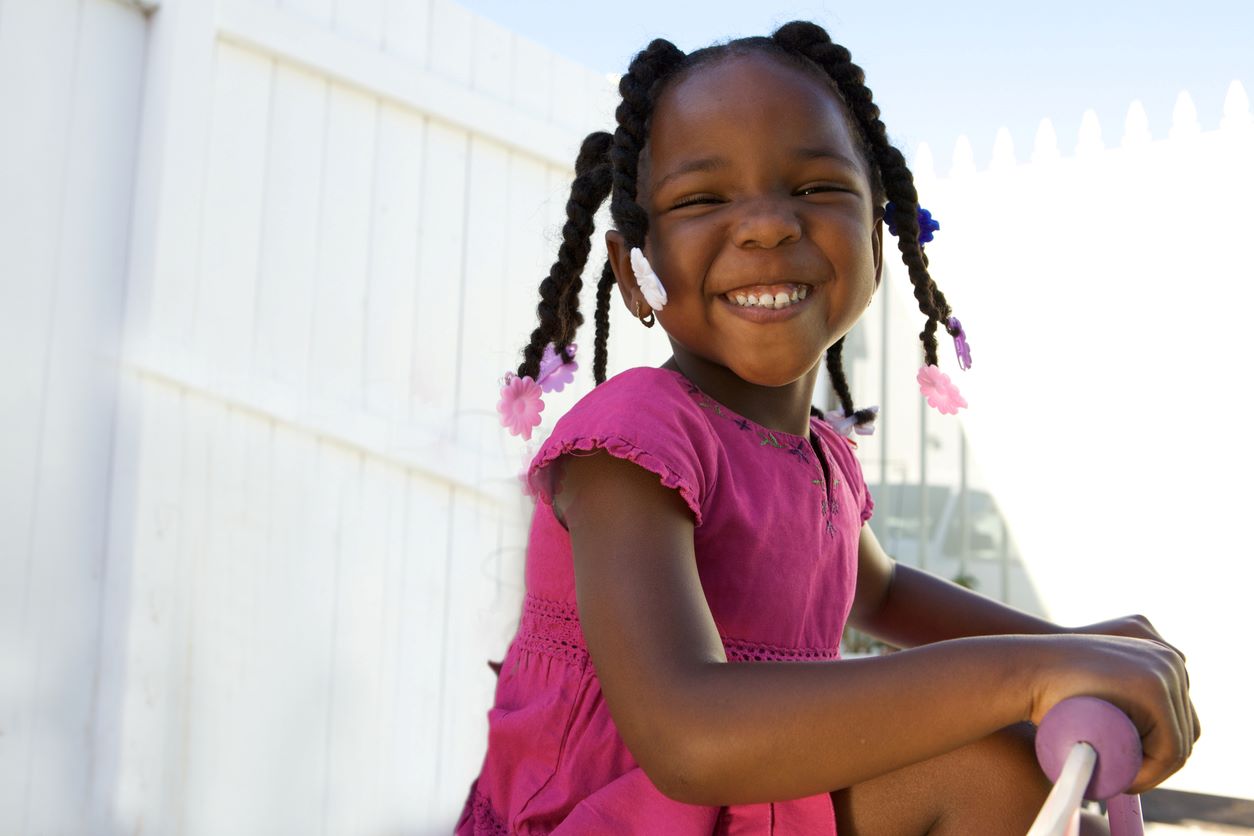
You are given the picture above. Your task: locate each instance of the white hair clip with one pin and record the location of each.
(650, 284)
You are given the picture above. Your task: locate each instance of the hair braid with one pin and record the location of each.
(558, 309)
(639, 86)
(813, 42)
(837, 374)
(602, 318)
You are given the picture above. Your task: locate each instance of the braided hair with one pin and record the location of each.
(607, 167)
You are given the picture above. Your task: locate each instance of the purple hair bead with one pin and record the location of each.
(960, 343)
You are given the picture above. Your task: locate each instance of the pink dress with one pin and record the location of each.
(776, 546)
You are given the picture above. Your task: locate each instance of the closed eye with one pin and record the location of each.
(822, 188)
(696, 200)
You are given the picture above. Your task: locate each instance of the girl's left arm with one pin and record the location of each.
(907, 607)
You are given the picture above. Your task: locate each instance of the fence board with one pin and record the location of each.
(450, 42)
(336, 353)
(420, 728)
(384, 488)
(532, 77)
(471, 637)
(297, 635)
(527, 260)
(482, 294)
(393, 262)
(218, 763)
(358, 721)
(360, 20)
(171, 191)
(36, 82)
(405, 29)
(71, 515)
(492, 57)
(288, 258)
(440, 274)
(154, 605)
(231, 226)
(318, 11)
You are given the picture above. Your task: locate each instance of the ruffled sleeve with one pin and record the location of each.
(646, 417)
(862, 494)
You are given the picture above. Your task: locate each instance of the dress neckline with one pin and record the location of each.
(735, 414)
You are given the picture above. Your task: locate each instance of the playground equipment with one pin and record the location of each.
(1089, 749)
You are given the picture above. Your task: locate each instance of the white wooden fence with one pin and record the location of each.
(261, 599)
(261, 265)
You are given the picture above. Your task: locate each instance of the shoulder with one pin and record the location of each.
(640, 402)
(646, 416)
(640, 386)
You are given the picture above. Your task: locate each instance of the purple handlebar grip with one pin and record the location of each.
(1099, 724)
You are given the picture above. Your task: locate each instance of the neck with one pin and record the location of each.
(785, 408)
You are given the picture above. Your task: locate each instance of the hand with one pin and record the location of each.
(1131, 626)
(1145, 677)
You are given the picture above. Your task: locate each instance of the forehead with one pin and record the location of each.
(755, 104)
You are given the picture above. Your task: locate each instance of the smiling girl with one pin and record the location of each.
(700, 542)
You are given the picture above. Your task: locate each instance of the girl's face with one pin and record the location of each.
(754, 186)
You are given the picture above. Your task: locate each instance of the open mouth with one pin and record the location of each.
(771, 297)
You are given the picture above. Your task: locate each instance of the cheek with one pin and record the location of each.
(682, 260)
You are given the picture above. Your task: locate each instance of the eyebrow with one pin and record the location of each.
(826, 154)
(701, 164)
(708, 164)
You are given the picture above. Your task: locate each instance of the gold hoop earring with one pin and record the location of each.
(648, 320)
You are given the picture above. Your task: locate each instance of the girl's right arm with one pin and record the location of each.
(709, 732)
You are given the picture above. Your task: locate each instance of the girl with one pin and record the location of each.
(699, 516)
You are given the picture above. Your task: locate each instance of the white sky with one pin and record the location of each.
(941, 69)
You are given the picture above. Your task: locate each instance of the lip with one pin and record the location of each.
(763, 315)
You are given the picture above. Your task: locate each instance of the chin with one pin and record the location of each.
(771, 376)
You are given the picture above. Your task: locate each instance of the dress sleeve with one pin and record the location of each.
(645, 417)
(857, 482)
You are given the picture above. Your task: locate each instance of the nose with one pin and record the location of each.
(766, 223)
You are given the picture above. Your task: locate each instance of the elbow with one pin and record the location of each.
(686, 766)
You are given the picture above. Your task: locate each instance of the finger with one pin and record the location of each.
(1152, 767)
(1184, 719)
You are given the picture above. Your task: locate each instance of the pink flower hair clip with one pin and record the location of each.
(521, 397)
(940, 391)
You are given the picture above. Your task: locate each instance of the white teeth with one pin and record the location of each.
(768, 300)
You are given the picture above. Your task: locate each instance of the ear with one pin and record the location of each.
(620, 262)
(877, 246)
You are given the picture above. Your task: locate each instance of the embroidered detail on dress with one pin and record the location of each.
(743, 651)
(800, 450)
(828, 509)
(768, 438)
(551, 628)
(485, 818)
(706, 403)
